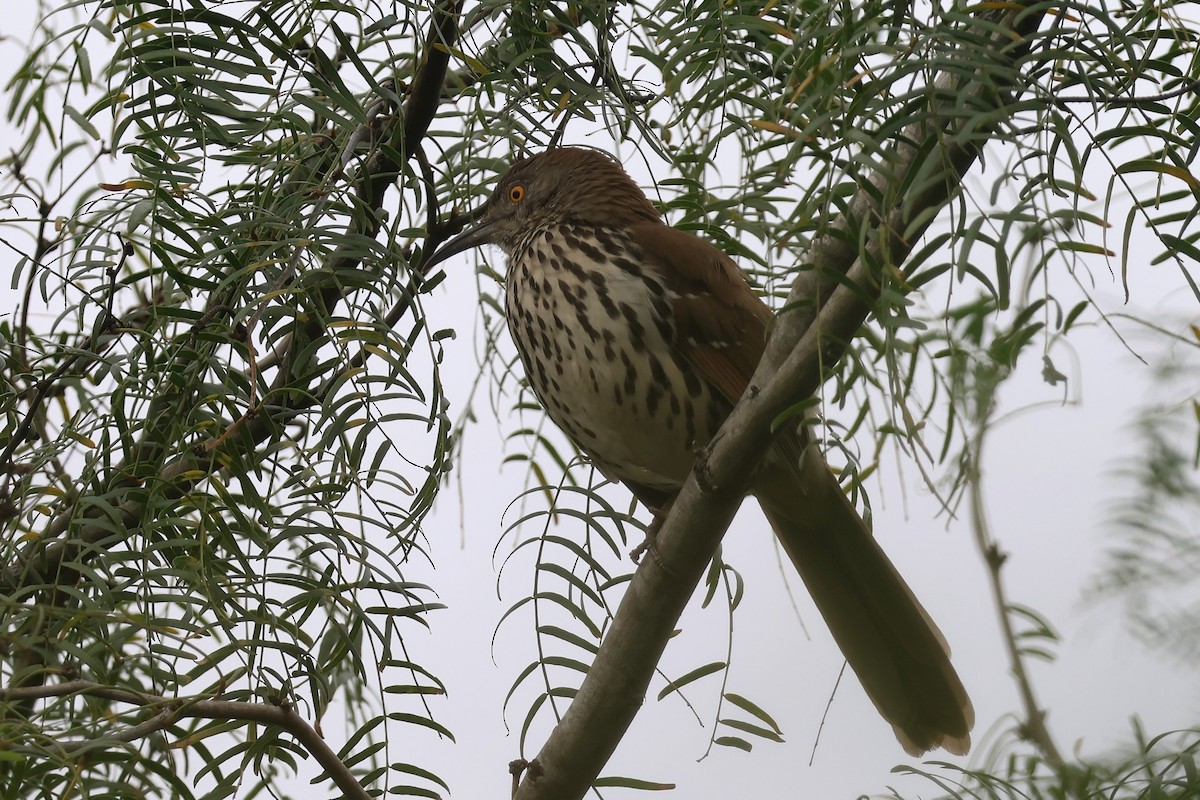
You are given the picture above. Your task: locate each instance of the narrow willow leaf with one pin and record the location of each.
(751, 708)
(694, 675)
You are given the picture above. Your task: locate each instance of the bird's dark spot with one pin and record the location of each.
(653, 396)
(576, 271)
(581, 315)
(606, 302)
(567, 290)
(559, 358)
(590, 250)
(629, 266)
(689, 425)
(656, 370)
(615, 247)
(639, 344)
(664, 318)
(630, 373)
(655, 288)
(636, 329)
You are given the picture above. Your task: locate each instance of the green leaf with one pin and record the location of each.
(751, 708)
(694, 675)
(615, 782)
(735, 742)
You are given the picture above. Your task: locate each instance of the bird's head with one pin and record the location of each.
(572, 185)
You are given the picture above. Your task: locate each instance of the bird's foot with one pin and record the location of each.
(648, 544)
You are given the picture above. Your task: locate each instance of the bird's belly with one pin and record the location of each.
(609, 408)
(595, 343)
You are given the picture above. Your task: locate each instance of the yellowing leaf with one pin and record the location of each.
(775, 127)
(127, 185)
(1151, 165)
(79, 437)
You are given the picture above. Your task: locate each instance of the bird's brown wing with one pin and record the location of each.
(889, 641)
(721, 325)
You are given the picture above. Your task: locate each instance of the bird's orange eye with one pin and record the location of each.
(516, 193)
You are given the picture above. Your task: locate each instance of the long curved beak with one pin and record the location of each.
(476, 234)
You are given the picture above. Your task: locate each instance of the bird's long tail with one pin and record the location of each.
(888, 639)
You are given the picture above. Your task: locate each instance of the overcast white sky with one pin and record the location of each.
(1048, 478)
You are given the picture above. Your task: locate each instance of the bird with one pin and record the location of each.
(637, 339)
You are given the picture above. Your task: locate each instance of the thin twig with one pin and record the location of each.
(1188, 87)
(1034, 726)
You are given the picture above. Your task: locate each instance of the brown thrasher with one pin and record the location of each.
(638, 338)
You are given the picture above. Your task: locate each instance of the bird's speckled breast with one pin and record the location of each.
(593, 325)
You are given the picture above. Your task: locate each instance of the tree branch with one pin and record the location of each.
(791, 368)
(167, 710)
(42, 561)
(45, 563)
